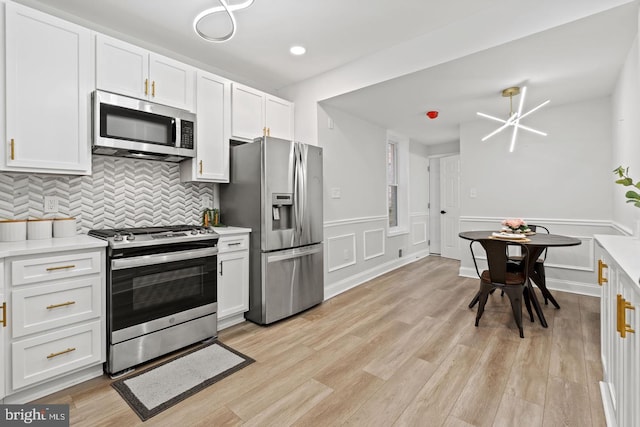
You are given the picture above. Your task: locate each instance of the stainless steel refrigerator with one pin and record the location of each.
(275, 188)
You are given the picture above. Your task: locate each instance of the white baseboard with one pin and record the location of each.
(359, 278)
(230, 321)
(580, 288)
(47, 388)
(609, 412)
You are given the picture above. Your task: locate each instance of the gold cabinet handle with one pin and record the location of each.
(146, 86)
(622, 326)
(63, 304)
(601, 278)
(268, 131)
(153, 88)
(200, 167)
(13, 149)
(4, 315)
(62, 267)
(264, 131)
(60, 353)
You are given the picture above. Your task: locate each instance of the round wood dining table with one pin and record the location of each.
(536, 244)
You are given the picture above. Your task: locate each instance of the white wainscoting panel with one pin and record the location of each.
(341, 251)
(419, 232)
(573, 257)
(373, 243)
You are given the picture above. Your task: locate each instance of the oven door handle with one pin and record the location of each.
(142, 261)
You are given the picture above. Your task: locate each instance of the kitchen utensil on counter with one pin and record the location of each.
(39, 228)
(13, 230)
(64, 227)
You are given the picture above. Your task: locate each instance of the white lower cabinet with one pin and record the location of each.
(620, 340)
(55, 317)
(233, 279)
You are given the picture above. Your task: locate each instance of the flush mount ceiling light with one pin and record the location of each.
(514, 117)
(224, 7)
(297, 50)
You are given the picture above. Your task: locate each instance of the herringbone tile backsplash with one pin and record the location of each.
(120, 193)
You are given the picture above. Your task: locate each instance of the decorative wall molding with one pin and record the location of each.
(419, 233)
(559, 221)
(120, 193)
(350, 221)
(591, 254)
(622, 229)
(375, 233)
(581, 288)
(334, 248)
(357, 279)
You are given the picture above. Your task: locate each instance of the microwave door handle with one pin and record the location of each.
(174, 125)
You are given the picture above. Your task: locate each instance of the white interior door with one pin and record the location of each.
(450, 206)
(434, 206)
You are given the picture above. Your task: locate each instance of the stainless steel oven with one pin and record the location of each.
(161, 293)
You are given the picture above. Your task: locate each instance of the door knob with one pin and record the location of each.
(443, 212)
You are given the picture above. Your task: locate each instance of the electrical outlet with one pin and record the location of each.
(335, 193)
(50, 204)
(206, 202)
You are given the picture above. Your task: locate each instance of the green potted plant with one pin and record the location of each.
(631, 195)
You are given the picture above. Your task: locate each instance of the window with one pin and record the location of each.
(392, 183)
(397, 183)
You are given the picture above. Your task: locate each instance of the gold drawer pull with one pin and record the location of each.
(601, 278)
(153, 88)
(200, 167)
(60, 353)
(13, 149)
(64, 304)
(4, 315)
(62, 267)
(146, 86)
(622, 326)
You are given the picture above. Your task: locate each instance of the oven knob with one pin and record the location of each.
(194, 231)
(202, 231)
(117, 238)
(131, 237)
(210, 231)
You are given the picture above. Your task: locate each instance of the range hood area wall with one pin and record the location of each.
(120, 193)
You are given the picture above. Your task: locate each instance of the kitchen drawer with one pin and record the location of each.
(233, 243)
(48, 355)
(40, 308)
(44, 268)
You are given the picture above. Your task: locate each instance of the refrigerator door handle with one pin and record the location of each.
(294, 253)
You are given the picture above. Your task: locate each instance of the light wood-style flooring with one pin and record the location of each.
(399, 350)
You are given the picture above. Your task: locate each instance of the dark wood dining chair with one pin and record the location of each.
(499, 276)
(538, 268)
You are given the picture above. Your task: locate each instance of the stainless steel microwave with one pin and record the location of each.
(129, 127)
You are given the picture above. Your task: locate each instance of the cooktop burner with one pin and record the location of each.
(149, 235)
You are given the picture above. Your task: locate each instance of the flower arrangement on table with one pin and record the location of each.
(515, 225)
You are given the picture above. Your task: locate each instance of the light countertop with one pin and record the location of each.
(33, 247)
(625, 251)
(225, 231)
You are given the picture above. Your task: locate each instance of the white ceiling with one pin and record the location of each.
(570, 63)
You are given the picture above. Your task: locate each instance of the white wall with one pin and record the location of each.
(561, 181)
(357, 247)
(626, 137)
(564, 175)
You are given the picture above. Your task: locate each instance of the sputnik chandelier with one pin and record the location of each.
(514, 117)
(226, 8)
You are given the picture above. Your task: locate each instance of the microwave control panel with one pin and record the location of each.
(186, 139)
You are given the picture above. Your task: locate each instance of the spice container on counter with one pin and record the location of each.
(39, 228)
(13, 230)
(64, 227)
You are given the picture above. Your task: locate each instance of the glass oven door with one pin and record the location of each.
(151, 292)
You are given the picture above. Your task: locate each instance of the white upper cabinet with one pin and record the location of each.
(255, 114)
(129, 70)
(48, 94)
(213, 106)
